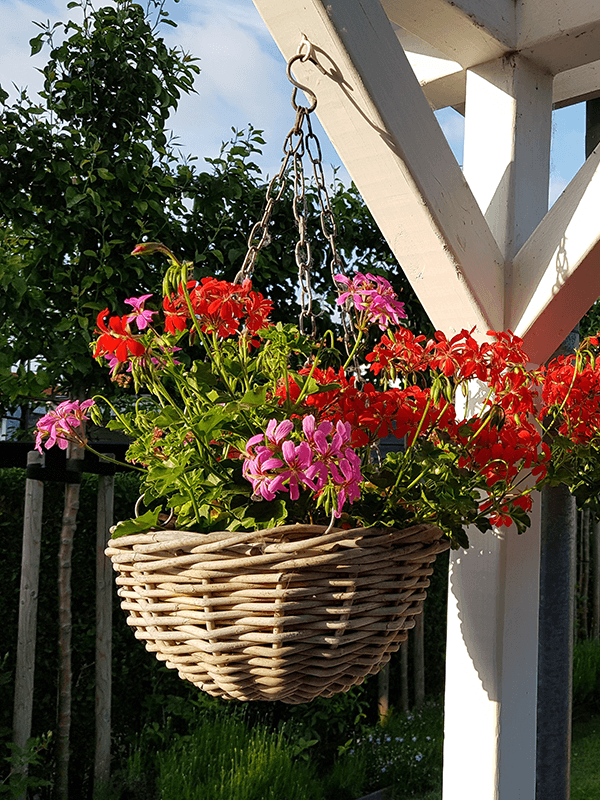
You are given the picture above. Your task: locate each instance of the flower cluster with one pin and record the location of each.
(323, 461)
(62, 425)
(373, 298)
(259, 424)
(217, 307)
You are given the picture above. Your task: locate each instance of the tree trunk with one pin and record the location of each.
(404, 676)
(69, 524)
(383, 680)
(106, 486)
(419, 659)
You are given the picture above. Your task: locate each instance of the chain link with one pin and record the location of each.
(296, 145)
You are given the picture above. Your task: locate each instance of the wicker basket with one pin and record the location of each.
(287, 614)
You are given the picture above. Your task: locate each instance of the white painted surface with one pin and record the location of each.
(576, 85)
(472, 703)
(378, 119)
(491, 653)
(558, 34)
(441, 79)
(556, 274)
(444, 39)
(481, 30)
(400, 161)
(508, 126)
(491, 667)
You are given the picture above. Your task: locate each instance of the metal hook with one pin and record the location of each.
(300, 56)
(137, 510)
(309, 55)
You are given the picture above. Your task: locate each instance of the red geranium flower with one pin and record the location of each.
(116, 338)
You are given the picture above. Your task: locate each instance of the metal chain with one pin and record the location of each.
(295, 146)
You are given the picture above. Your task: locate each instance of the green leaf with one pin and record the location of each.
(255, 397)
(73, 197)
(141, 524)
(36, 44)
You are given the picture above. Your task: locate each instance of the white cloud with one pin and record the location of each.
(241, 81)
(17, 66)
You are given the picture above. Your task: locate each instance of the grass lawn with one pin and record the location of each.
(585, 759)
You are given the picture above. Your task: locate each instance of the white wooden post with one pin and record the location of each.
(28, 603)
(468, 271)
(104, 520)
(491, 678)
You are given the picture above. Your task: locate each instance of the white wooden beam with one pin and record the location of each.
(509, 116)
(380, 123)
(443, 39)
(469, 32)
(556, 274)
(559, 34)
(576, 85)
(443, 80)
(491, 655)
(555, 34)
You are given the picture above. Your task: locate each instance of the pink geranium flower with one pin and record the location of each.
(259, 471)
(62, 425)
(322, 462)
(141, 315)
(298, 460)
(374, 299)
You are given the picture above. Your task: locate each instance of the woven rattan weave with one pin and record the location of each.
(288, 613)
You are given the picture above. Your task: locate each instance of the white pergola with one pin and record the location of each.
(481, 249)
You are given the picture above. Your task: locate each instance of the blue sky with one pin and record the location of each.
(242, 81)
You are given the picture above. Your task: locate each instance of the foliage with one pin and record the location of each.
(229, 761)
(404, 753)
(586, 673)
(319, 728)
(584, 759)
(23, 762)
(229, 754)
(83, 171)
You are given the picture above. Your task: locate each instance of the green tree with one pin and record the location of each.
(84, 172)
(229, 198)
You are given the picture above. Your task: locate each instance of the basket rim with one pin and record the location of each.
(160, 536)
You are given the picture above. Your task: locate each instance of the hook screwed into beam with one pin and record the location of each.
(304, 53)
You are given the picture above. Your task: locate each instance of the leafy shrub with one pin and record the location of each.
(229, 761)
(586, 673)
(405, 752)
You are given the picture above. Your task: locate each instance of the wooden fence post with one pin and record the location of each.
(104, 520)
(28, 603)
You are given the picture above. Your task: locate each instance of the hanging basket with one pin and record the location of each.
(287, 613)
